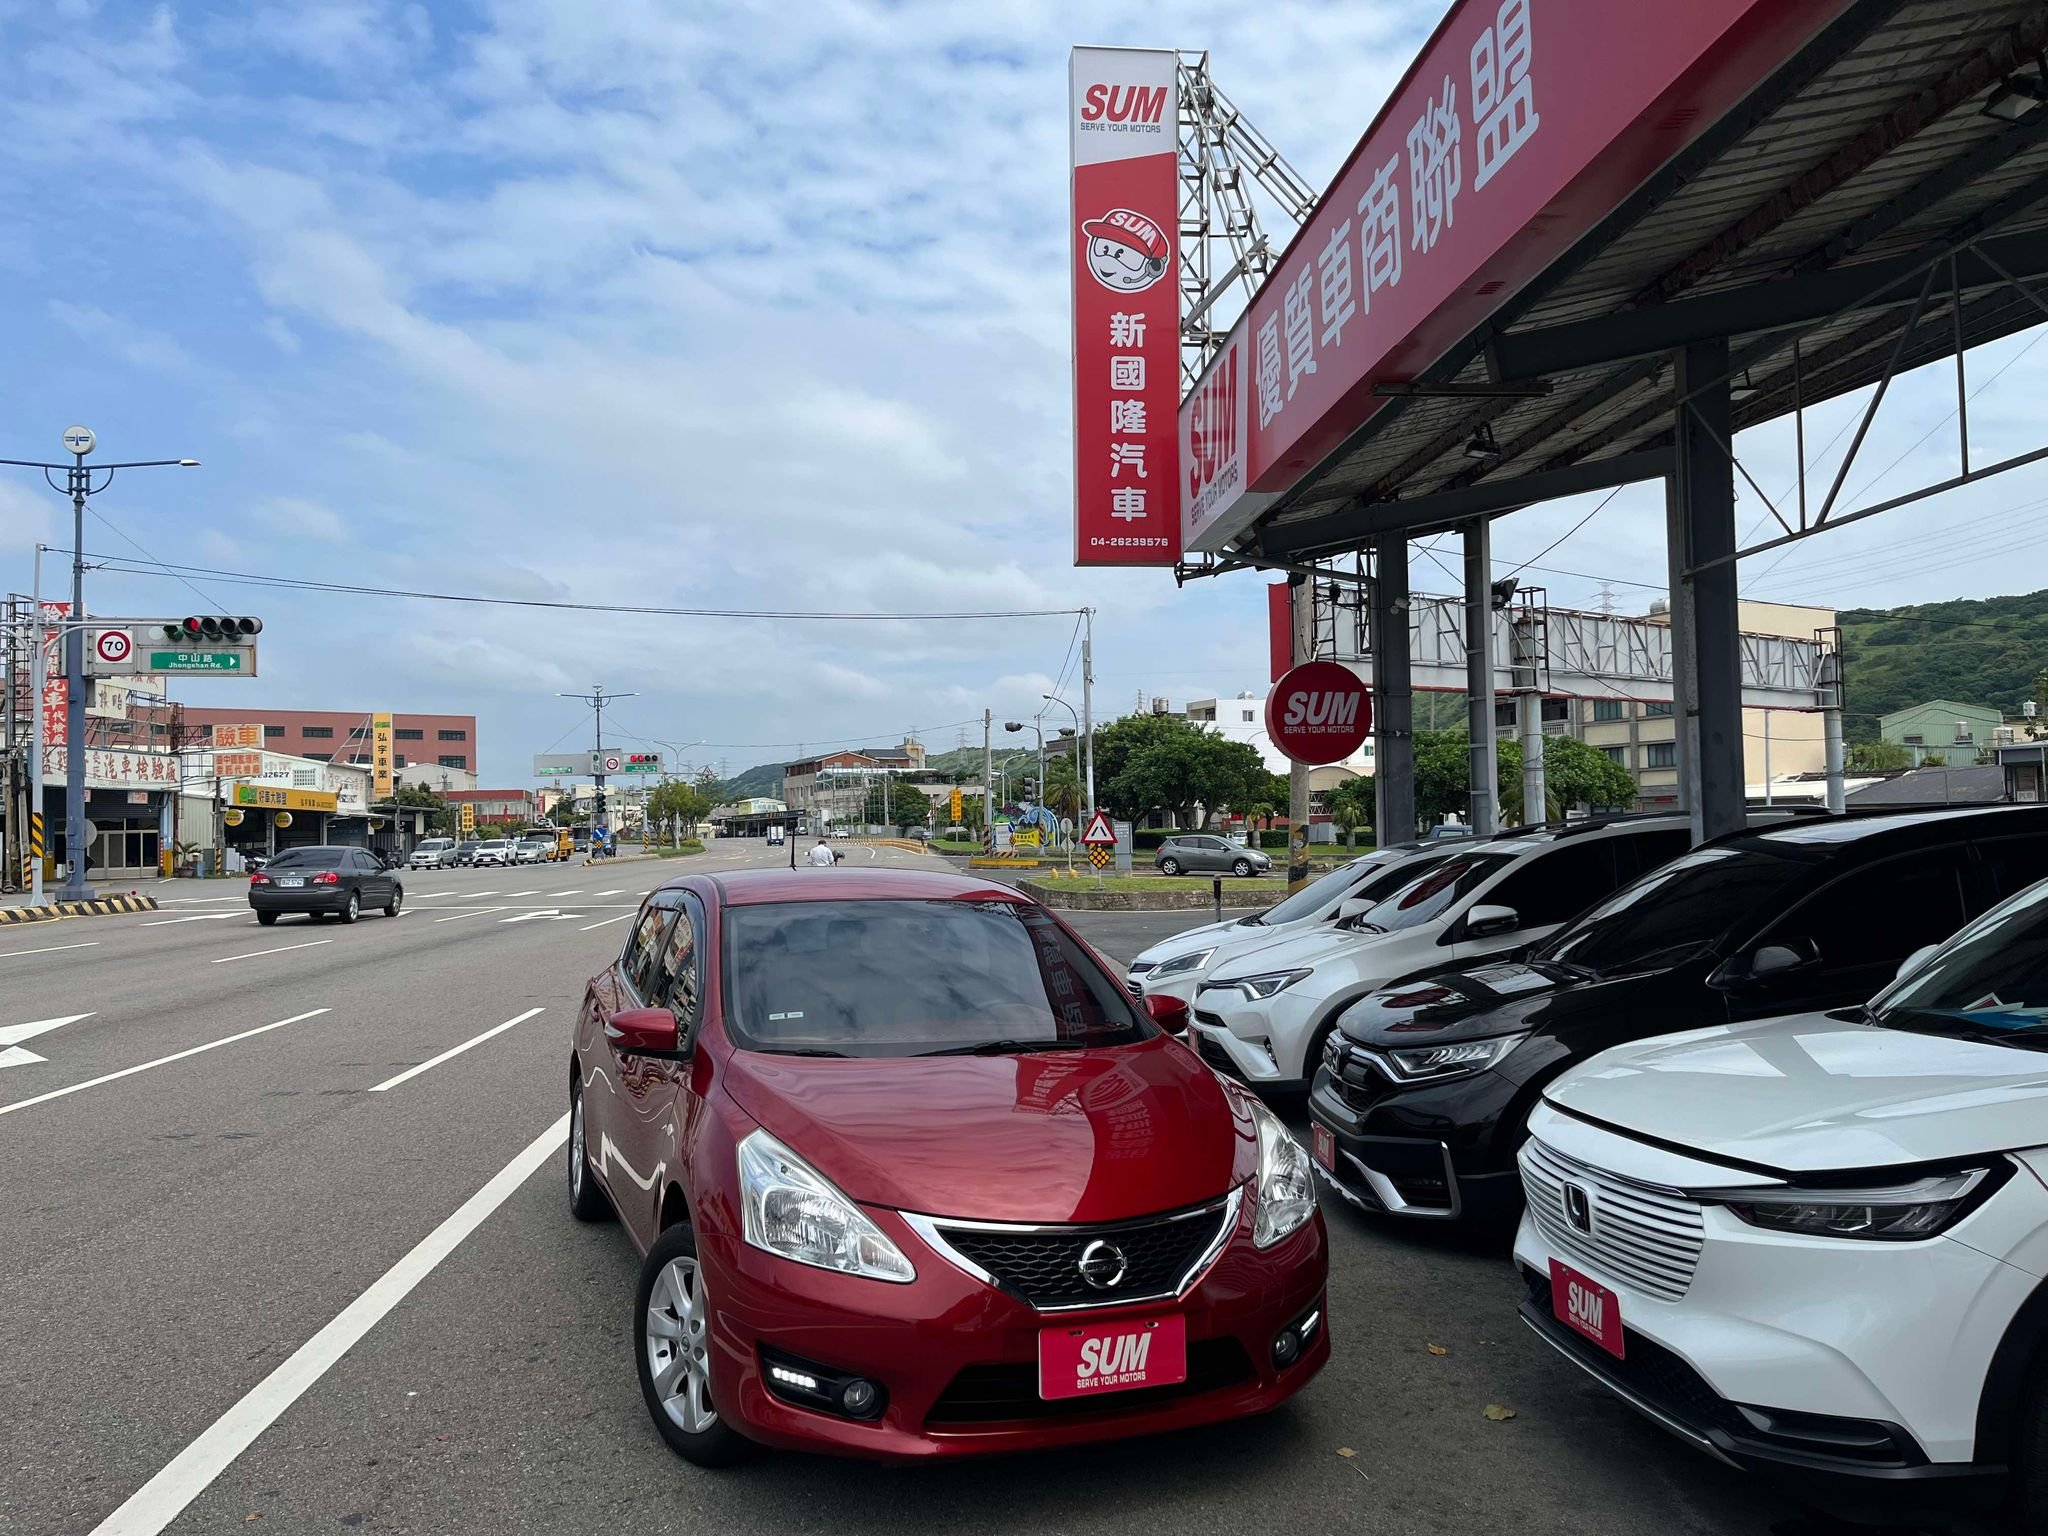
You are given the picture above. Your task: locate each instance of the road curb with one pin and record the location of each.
(1090, 900)
(98, 906)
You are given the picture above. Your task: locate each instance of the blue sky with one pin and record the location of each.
(676, 304)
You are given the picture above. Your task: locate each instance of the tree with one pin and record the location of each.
(1352, 805)
(441, 823)
(1878, 757)
(1576, 774)
(1178, 766)
(677, 799)
(1063, 793)
(893, 803)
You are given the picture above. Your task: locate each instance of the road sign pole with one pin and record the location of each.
(75, 888)
(38, 683)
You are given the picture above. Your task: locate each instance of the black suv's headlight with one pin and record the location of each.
(1896, 1213)
(1460, 1058)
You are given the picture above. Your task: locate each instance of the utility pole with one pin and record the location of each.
(988, 779)
(1087, 701)
(78, 485)
(597, 698)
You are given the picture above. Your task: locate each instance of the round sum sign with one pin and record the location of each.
(1319, 712)
(112, 646)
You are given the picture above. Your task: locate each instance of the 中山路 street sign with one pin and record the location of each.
(237, 661)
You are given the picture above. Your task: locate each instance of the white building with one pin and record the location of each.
(1244, 719)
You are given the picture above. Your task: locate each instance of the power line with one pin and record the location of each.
(124, 565)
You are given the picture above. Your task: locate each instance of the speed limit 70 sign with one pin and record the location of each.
(113, 650)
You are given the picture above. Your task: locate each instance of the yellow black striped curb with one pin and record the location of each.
(99, 906)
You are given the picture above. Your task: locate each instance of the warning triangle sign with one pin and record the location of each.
(1100, 833)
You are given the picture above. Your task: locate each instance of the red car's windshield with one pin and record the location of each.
(914, 978)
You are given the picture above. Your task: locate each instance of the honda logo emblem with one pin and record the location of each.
(1578, 1208)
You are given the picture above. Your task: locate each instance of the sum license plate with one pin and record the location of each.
(1587, 1307)
(290, 882)
(1095, 1358)
(1325, 1147)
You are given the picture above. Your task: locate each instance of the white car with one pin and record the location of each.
(533, 850)
(1175, 967)
(1818, 1246)
(433, 853)
(495, 851)
(1264, 1016)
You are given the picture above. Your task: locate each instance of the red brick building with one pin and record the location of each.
(341, 736)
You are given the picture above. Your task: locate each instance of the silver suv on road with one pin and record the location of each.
(1192, 853)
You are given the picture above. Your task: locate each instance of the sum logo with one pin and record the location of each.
(1125, 1353)
(1212, 424)
(1320, 710)
(1588, 1309)
(1123, 104)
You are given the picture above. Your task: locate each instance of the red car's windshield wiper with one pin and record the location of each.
(801, 1050)
(1000, 1048)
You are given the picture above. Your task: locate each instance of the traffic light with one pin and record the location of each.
(598, 808)
(214, 628)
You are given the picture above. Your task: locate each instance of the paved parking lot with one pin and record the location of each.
(266, 1122)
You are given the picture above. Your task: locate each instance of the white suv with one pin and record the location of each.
(1175, 967)
(1264, 1016)
(1816, 1246)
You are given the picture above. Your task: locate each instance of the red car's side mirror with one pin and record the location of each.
(1169, 1013)
(643, 1031)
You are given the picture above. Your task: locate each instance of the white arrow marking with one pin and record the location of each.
(14, 1055)
(190, 917)
(550, 914)
(14, 1034)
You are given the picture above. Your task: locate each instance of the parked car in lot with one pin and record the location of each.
(1427, 1088)
(1814, 1246)
(1201, 853)
(493, 851)
(1265, 1016)
(1175, 967)
(812, 1102)
(324, 882)
(465, 853)
(433, 853)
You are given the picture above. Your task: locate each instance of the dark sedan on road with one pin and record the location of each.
(914, 1177)
(1424, 1093)
(324, 882)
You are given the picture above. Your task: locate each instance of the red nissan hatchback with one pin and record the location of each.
(914, 1177)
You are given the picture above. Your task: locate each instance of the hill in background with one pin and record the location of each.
(1988, 651)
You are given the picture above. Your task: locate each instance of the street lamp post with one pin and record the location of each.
(79, 484)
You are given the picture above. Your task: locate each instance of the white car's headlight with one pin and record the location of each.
(1261, 986)
(1901, 1213)
(1287, 1191)
(1462, 1058)
(790, 1210)
(1180, 965)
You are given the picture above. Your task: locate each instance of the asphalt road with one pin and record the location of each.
(217, 1185)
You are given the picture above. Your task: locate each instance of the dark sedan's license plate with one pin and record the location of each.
(290, 882)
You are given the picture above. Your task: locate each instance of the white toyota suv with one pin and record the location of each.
(1175, 967)
(1817, 1247)
(1264, 1016)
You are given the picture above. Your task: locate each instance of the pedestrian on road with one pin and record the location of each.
(821, 856)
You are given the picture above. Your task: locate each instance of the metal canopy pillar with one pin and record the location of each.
(1706, 630)
(1393, 704)
(1483, 773)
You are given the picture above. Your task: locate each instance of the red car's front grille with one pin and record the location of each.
(1043, 1265)
(994, 1394)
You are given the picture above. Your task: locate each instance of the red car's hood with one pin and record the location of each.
(1058, 1136)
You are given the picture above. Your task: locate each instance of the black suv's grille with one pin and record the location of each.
(983, 1394)
(1044, 1266)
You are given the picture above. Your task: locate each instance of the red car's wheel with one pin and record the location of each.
(586, 1201)
(672, 1326)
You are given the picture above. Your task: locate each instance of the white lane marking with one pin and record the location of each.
(164, 1497)
(607, 922)
(472, 912)
(429, 895)
(257, 954)
(434, 1061)
(544, 914)
(49, 949)
(161, 1061)
(14, 1055)
(189, 917)
(574, 890)
(477, 896)
(614, 891)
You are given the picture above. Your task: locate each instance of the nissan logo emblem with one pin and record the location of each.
(1578, 1208)
(1102, 1265)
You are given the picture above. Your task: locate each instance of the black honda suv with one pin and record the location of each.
(1424, 1091)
